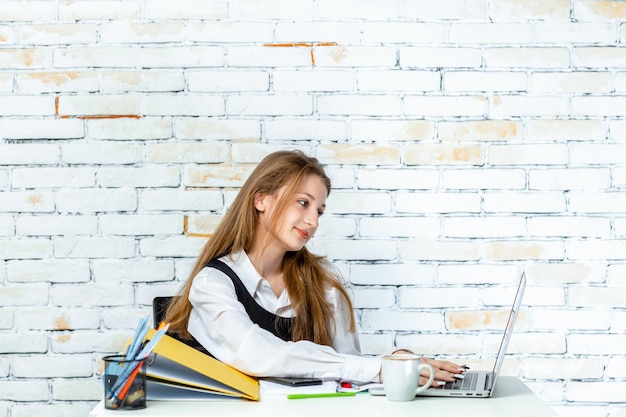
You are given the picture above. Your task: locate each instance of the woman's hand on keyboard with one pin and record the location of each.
(445, 371)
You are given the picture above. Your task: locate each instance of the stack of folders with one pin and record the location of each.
(176, 371)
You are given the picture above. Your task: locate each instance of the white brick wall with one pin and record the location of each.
(468, 141)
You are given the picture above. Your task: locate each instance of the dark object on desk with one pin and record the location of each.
(295, 382)
(159, 308)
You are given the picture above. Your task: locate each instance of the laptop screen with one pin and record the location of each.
(508, 331)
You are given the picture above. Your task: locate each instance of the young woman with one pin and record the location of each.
(259, 301)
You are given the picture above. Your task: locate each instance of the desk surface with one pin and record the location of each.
(512, 399)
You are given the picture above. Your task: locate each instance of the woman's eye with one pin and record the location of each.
(305, 204)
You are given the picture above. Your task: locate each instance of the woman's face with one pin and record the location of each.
(301, 216)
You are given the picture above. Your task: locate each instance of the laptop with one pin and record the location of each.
(478, 384)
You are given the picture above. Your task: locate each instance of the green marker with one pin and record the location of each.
(320, 395)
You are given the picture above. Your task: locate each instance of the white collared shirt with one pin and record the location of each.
(221, 324)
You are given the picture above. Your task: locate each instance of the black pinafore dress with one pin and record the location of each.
(278, 326)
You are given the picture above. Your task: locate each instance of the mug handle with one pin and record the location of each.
(430, 378)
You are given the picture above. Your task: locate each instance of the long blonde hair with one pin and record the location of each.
(307, 276)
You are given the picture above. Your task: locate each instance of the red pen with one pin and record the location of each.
(349, 385)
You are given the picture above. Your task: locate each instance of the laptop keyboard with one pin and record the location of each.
(467, 383)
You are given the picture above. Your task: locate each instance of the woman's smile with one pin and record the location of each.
(303, 233)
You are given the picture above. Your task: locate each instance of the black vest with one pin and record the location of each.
(278, 326)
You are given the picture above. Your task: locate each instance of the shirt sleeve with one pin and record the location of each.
(220, 323)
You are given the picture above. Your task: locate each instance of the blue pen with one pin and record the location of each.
(147, 349)
(114, 391)
(140, 333)
(131, 349)
(152, 343)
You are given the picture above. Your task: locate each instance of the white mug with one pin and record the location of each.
(401, 376)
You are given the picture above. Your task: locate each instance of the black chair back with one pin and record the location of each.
(159, 307)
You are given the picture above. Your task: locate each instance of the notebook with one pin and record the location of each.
(478, 384)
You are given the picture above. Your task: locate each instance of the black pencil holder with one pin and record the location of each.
(124, 383)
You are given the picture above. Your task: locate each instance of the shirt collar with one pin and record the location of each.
(253, 281)
(245, 270)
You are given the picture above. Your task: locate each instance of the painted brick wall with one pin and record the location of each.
(468, 141)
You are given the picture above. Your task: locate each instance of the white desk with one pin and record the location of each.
(512, 399)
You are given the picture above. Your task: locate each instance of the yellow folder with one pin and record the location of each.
(176, 371)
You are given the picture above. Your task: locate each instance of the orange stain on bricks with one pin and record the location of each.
(206, 225)
(475, 320)
(28, 57)
(609, 9)
(201, 176)
(311, 45)
(419, 130)
(187, 233)
(513, 250)
(466, 154)
(103, 116)
(91, 117)
(56, 78)
(190, 234)
(339, 53)
(62, 322)
(35, 199)
(490, 130)
(63, 338)
(203, 235)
